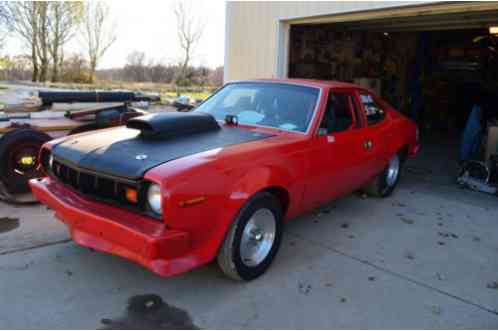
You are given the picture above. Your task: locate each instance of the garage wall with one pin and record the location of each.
(252, 31)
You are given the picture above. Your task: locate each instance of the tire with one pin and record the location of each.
(262, 210)
(24, 143)
(384, 184)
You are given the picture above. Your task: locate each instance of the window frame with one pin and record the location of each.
(377, 103)
(311, 123)
(358, 111)
(352, 96)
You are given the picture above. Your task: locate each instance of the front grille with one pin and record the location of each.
(100, 187)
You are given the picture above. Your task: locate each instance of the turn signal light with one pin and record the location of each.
(191, 202)
(131, 195)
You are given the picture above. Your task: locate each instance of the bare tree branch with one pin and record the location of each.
(98, 32)
(5, 22)
(63, 20)
(189, 29)
(24, 19)
(43, 42)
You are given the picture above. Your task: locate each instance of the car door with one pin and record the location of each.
(374, 133)
(337, 162)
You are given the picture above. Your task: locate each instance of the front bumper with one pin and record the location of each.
(117, 231)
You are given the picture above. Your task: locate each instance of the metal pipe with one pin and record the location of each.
(50, 97)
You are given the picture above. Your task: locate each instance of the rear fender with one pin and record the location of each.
(403, 136)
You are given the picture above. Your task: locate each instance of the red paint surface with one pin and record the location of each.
(305, 169)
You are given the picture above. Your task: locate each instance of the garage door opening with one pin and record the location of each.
(434, 71)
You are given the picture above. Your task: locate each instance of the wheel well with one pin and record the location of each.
(403, 152)
(281, 194)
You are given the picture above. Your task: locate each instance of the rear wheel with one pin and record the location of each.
(253, 239)
(19, 158)
(385, 183)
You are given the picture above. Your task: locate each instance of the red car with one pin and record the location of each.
(174, 191)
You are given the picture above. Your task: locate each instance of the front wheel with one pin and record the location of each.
(385, 183)
(253, 239)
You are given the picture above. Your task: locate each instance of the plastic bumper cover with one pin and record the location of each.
(116, 230)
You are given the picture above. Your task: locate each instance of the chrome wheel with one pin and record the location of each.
(392, 171)
(258, 237)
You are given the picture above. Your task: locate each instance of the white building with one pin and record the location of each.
(257, 33)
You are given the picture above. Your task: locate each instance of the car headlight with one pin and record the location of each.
(154, 198)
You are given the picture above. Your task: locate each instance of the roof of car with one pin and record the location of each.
(308, 82)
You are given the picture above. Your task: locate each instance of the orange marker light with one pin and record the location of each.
(131, 195)
(191, 202)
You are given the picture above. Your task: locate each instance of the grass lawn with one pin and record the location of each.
(196, 95)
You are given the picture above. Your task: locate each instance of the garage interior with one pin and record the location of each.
(432, 68)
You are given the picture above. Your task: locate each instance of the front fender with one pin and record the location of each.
(225, 194)
(258, 179)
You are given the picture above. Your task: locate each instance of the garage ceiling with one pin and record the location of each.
(473, 20)
(439, 16)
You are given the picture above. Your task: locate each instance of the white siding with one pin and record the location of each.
(252, 31)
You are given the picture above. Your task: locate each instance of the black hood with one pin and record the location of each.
(153, 140)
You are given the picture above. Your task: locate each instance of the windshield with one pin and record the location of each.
(282, 106)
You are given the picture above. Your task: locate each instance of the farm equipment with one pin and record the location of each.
(23, 131)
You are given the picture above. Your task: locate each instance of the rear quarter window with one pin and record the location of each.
(373, 111)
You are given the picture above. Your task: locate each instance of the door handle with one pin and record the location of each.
(368, 144)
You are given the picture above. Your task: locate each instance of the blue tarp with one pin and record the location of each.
(471, 135)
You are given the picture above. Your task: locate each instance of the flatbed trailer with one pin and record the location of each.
(23, 132)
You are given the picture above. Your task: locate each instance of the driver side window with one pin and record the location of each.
(338, 115)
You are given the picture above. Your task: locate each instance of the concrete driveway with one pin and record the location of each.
(427, 257)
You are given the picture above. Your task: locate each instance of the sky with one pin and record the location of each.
(149, 26)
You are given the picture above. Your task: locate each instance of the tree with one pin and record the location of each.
(16, 68)
(24, 19)
(189, 32)
(5, 25)
(42, 42)
(98, 32)
(4, 14)
(134, 69)
(216, 77)
(157, 72)
(75, 69)
(63, 20)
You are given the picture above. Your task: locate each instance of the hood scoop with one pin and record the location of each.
(171, 125)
